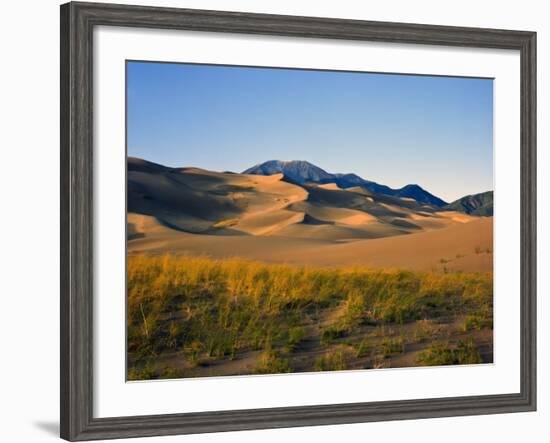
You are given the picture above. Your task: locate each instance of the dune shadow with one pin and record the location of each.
(225, 232)
(404, 224)
(135, 236)
(310, 220)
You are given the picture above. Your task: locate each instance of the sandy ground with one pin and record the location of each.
(465, 247)
(198, 212)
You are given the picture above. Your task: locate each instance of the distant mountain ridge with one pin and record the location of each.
(301, 171)
(476, 204)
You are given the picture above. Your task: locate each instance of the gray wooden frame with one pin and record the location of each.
(77, 24)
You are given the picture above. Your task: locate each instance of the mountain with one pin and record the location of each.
(477, 204)
(421, 195)
(300, 172)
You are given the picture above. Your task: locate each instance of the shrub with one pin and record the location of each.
(168, 373)
(271, 363)
(144, 373)
(425, 329)
(440, 354)
(477, 322)
(362, 349)
(392, 345)
(331, 362)
(330, 334)
(295, 336)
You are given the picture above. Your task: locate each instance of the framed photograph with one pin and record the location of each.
(272, 221)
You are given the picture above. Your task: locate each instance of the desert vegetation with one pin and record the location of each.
(198, 316)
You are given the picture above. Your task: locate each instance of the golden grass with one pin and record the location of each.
(212, 309)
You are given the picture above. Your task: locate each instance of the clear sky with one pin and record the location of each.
(393, 129)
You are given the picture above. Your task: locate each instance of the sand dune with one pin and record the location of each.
(199, 201)
(334, 214)
(462, 247)
(195, 211)
(268, 222)
(332, 186)
(465, 247)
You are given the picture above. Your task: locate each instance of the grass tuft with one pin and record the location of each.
(271, 363)
(439, 354)
(205, 310)
(331, 362)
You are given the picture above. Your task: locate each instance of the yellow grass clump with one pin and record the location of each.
(210, 309)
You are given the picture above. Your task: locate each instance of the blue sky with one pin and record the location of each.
(393, 129)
